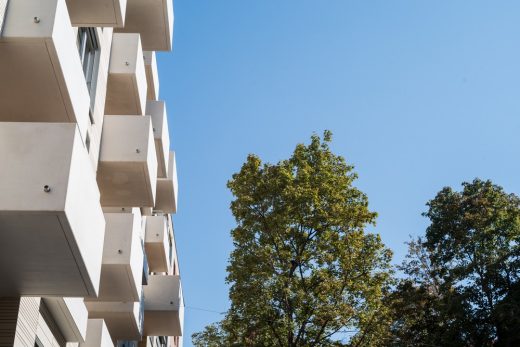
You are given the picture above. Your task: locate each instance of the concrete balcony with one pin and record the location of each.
(157, 110)
(97, 13)
(97, 334)
(163, 306)
(126, 86)
(157, 243)
(152, 76)
(122, 268)
(127, 171)
(41, 74)
(52, 226)
(167, 189)
(153, 19)
(123, 319)
(71, 316)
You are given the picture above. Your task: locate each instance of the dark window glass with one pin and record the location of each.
(88, 47)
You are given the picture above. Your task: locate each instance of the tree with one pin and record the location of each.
(424, 310)
(303, 271)
(211, 337)
(465, 272)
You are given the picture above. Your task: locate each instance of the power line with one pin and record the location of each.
(203, 309)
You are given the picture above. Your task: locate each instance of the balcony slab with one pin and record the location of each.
(97, 13)
(126, 86)
(51, 223)
(41, 74)
(167, 189)
(164, 306)
(127, 171)
(153, 19)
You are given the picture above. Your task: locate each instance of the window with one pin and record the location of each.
(121, 343)
(88, 47)
(38, 343)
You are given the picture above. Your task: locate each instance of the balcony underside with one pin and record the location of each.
(33, 87)
(164, 307)
(156, 243)
(162, 323)
(126, 85)
(41, 75)
(122, 269)
(121, 318)
(157, 258)
(127, 168)
(153, 19)
(124, 95)
(97, 13)
(124, 184)
(117, 283)
(37, 257)
(165, 196)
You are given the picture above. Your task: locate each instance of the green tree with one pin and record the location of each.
(303, 271)
(424, 310)
(211, 337)
(463, 278)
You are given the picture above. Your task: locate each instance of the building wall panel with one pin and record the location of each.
(8, 317)
(47, 331)
(27, 323)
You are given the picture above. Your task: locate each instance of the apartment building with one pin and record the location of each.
(88, 183)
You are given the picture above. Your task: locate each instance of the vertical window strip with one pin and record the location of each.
(89, 52)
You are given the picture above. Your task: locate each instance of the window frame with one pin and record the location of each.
(89, 53)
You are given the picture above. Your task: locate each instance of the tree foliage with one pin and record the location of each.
(462, 284)
(303, 271)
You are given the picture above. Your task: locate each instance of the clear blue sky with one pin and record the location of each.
(418, 94)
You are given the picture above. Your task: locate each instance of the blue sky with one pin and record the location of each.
(419, 95)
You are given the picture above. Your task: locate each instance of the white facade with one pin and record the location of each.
(88, 180)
